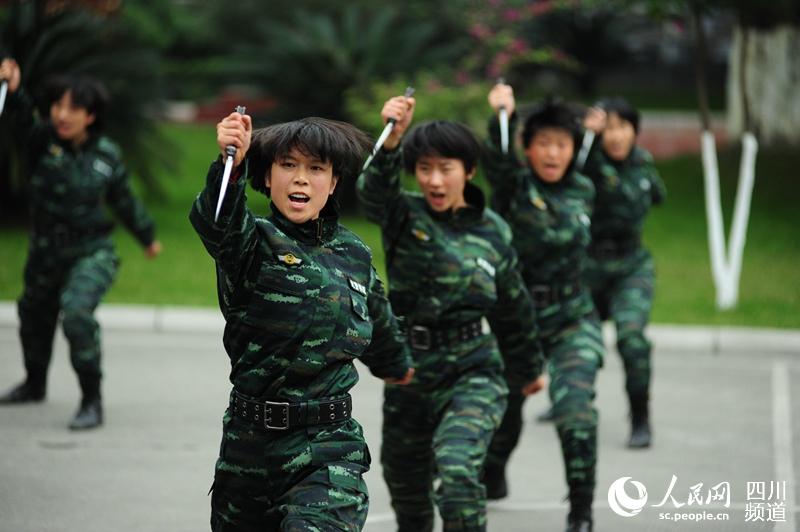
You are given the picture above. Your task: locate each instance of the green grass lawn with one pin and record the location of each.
(676, 233)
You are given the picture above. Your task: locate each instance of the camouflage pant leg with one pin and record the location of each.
(87, 282)
(575, 354)
(305, 480)
(629, 306)
(507, 436)
(460, 443)
(38, 309)
(409, 419)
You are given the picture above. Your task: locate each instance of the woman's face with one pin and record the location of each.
(300, 185)
(70, 121)
(618, 137)
(442, 181)
(550, 153)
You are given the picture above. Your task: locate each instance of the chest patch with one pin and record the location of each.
(102, 167)
(485, 266)
(644, 184)
(539, 203)
(358, 287)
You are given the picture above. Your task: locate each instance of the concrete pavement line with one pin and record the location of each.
(782, 439)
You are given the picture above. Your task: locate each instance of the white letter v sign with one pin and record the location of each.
(727, 268)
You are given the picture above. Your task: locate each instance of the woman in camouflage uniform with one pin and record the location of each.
(301, 300)
(451, 267)
(548, 204)
(620, 270)
(77, 173)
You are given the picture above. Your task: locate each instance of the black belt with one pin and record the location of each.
(424, 338)
(607, 248)
(271, 415)
(544, 295)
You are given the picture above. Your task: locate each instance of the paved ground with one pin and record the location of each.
(725, 411)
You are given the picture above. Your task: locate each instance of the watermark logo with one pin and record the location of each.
(766, 501)
(621, 503)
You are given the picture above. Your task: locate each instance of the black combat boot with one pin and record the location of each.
(494, 478)
(414, 523)
(641, 435)
(580, 512)
(32, 390)
(90, 412)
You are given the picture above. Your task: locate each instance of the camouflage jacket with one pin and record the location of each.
(70, 189)
(550, 221)
(451, 268)
(300, 301)
(625, 192)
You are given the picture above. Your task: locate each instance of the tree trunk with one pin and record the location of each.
(772, 61)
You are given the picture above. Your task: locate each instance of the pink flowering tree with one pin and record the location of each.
(500, 39)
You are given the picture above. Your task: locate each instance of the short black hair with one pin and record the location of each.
(86, 92)
(443, 138)
(551, 113)
(623, 108)
(340, 143)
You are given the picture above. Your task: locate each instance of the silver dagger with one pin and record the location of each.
(385, 133)
(503, 117)
(3, 92)
(230, 151)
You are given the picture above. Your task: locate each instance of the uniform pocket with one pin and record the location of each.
(359, 327)
(338, 443)
(280, 301)
(346, 475)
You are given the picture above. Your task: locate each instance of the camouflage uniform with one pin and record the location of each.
(550, 223)
(446, 270)
(620, 270)
(71, 260)
(300, 303)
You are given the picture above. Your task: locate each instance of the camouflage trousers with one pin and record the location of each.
(73, 287)
(575, 353)
(622, 289)
(443, 434)
(306, 479)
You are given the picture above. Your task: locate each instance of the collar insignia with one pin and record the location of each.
(56, 150)
(289, 259)
(421, 235)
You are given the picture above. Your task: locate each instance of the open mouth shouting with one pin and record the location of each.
(298, 200)
(437, 199)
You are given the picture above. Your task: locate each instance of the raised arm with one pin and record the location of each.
(19, 106)
(232, 238)
(379, 187)
(501, 169)
(593, 124)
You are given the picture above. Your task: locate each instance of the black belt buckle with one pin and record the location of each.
(269, 412)
(419, 337)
